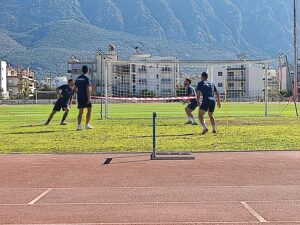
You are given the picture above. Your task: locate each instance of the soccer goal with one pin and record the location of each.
(142, 85)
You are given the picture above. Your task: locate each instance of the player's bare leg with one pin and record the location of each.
(191, 118)
(64, 117)
(88, 118)
(79, 118)
(212, 121)
(50, 118)
(202, 121)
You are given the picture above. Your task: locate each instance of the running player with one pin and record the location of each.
(190, 92)
(208, 91)
(64, 102)
(83, 87)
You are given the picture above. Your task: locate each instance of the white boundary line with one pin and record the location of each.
(147, 203)
(162, 223)
(149, 187)
(254, 213)
(39, 197)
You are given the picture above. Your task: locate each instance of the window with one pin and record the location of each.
(133, 78)
(133, 68)
(143, 81)
(220, 85)
(157, 87)
(10, 81)
(157, 76)
(220, 74)
(166, 80)
(143, 69)
(166, 69)
(133, 89)
(230, 84)
(230, 74)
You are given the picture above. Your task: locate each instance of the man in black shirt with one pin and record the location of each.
(83, 88)
(64, 101)
(192, 103)
(208, 91)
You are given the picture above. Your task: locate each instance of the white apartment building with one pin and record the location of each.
(143, 75)
(3, 79)
(240, 81)
(54, 82)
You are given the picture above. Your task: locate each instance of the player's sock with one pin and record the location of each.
(214, 129)
(64, 118)
(194, 122)
(79, 127)
(204, 126)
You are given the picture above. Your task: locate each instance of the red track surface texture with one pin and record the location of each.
(216, 188)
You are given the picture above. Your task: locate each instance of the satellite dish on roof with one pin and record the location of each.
(111, 48)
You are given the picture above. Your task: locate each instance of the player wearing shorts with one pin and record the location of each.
(64, 101)
(190, 92)
(83, 88)
(208, 91)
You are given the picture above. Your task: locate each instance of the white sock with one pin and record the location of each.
(193, 120)
(189, 119)
(204, 126)
(214, 127)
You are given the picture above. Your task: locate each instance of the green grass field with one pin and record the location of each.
(241, 126)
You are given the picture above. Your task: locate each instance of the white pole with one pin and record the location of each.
(295, 53)
(106, 91)
(266, 91)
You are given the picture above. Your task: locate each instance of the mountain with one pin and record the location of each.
(43, 34)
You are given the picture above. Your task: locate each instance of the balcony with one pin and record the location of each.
(236, 78)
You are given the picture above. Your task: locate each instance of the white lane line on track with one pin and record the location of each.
(253, 212)
(165, 223)
(148, 187)
(148, 203)
(39, 197)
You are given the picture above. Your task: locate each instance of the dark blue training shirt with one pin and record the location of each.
(191, 92)
(66, 92)
(207, 90)
(82, 82)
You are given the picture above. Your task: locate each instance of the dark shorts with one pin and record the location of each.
(208, 105)
(192, 106)
(83, 104)
(60, 105)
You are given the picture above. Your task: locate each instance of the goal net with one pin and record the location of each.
(136, 88)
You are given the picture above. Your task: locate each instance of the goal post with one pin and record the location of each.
(137, 87)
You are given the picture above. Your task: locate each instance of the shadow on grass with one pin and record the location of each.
(170, 135)
(35, 132)
(31, 125)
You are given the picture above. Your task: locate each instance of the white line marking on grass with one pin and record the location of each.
(39, 197)
(254, 213)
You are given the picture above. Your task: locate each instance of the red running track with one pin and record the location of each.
(216, 188)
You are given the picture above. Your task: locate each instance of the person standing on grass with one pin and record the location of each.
(190, 92)
(208, 91)
(83, 88)
(65, 93)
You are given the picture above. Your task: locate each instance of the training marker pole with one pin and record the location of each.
(153, 135)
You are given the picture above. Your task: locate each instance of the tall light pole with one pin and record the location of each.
(295, 53)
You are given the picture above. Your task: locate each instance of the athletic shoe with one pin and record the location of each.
(195, 123)
(188, 123)
(79, 127)
(63, 123)
(88, 126)
(204, 131)
(214, 132)
(45, 124)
